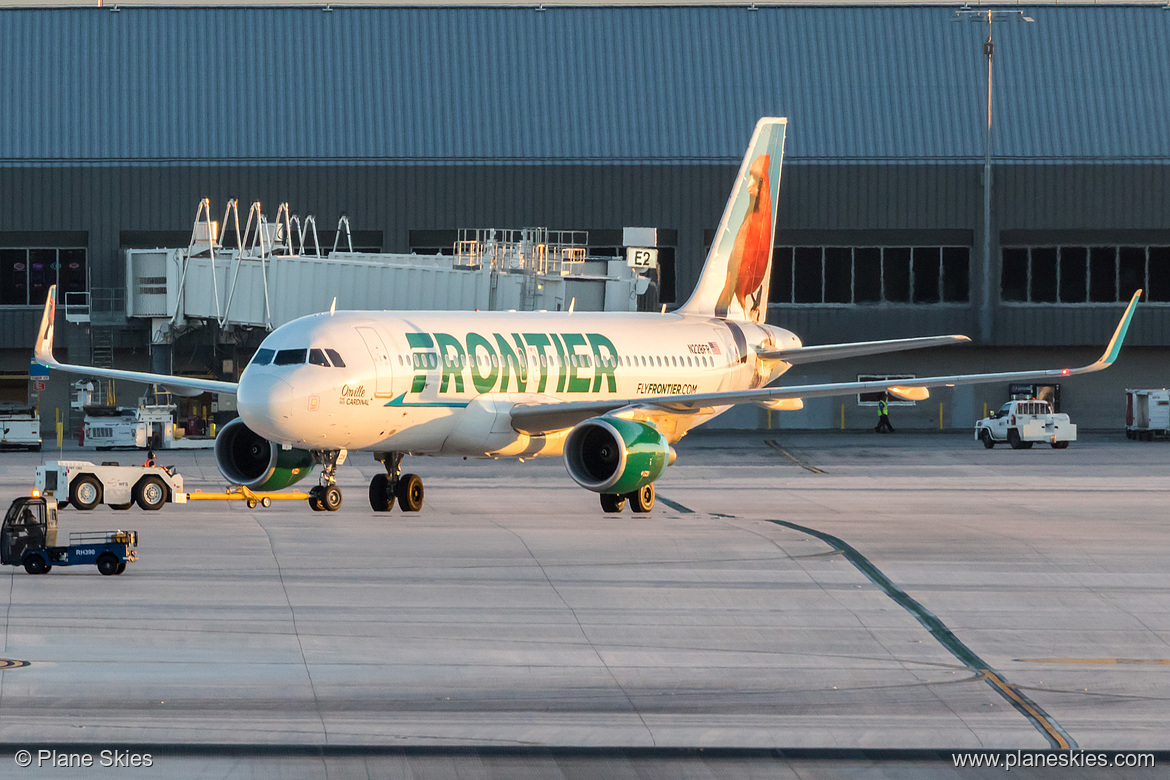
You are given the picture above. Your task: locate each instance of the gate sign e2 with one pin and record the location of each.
(640, 257)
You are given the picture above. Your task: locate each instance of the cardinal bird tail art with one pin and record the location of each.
(735, 278)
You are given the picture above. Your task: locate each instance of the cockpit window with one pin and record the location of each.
(290, 357)
(263, 357)
(317, 358)
(336, 358)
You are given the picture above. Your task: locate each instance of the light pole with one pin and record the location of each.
(990, 16)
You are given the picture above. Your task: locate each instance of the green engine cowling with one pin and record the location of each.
(611, 455)
(246, 458)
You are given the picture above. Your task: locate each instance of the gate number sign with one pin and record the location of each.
(637, 257)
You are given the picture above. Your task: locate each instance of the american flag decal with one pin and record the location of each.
(714, 348)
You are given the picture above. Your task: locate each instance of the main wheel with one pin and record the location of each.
(985, 437)
(35, 564)
(315, 499)
(86, 492)
(252, 503)
(381, 496)
(612, 503)
(107, 563)
(331, 498)
(1015, 440)
(1060, 445)
(150, 493)
(410, 492)
(266, 502)
(642, 499)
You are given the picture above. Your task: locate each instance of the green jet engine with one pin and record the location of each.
(245, 458)
(611, 455)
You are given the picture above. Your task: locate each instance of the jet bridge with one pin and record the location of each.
(273, 272)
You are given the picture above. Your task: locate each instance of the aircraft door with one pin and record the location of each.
(381, 357)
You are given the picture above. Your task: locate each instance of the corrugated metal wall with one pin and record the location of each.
(474, 84)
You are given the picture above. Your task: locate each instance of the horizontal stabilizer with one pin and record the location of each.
(799, 355)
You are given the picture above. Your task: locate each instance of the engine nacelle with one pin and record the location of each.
(246, 458)
(610, 455)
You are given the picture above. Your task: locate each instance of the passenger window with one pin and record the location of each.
(317, 358)
(263, 357)
(290, 357)
(336, 358)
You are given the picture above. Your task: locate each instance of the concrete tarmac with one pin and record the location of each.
(935, 595)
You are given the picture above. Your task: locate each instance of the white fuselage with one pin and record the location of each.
(443, 383)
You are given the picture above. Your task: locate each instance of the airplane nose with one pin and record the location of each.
(265, 404)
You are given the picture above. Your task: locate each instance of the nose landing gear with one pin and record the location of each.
(326, 497)
(386, 488)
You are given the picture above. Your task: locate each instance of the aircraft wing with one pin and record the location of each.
(540, 418)
(824, 352)
(180, 385)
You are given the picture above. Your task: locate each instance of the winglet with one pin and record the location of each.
(44, 347)
(1114, 345)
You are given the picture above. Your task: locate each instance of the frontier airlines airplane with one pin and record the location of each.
(609, 392)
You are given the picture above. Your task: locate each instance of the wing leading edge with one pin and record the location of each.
(44, 355)
(540, 418)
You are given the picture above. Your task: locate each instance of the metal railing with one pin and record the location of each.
(77, 306)
(534, 250)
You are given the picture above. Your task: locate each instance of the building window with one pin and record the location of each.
(26, 274)
(834, 274)
(1084, 274)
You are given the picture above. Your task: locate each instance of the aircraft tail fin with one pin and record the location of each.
(735, 278)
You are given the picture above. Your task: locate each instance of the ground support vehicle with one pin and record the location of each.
(28, 538)
(84, 485)
(1023, 423)
(242, 493)
(20, 427)
(1147, 414)
(125, 427)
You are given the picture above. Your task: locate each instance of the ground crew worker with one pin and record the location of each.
(883, 425)
(149, 459)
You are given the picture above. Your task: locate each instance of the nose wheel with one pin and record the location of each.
(327, 497)
(386, 489)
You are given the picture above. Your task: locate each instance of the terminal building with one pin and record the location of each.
(420, 122)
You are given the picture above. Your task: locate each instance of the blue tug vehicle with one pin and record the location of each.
(28, 538)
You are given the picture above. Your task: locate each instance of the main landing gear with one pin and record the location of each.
(326, 497)
(641, 500)
(385, 488)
